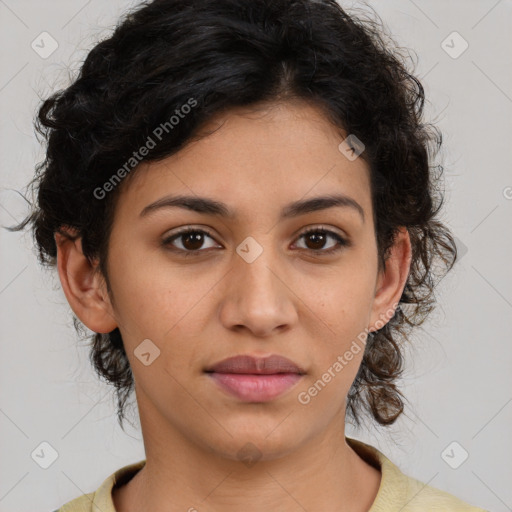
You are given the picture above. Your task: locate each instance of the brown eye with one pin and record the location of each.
(316, 238)
(192, 240)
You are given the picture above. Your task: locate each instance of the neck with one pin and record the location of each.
(324, 473)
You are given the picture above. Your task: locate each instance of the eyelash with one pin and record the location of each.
(342, 242)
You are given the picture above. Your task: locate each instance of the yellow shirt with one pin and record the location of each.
(397, 491)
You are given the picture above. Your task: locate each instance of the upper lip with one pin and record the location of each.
(256, 365)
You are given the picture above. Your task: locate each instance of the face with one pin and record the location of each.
(249, 283)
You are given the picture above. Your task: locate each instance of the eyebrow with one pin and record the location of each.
(209, 206)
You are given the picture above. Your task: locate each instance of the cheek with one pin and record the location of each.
(340, 323)
(167, 306)
(341, 306)
(156, 299)
(323, 394)
(336, 366)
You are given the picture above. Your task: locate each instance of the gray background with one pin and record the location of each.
(458, 370)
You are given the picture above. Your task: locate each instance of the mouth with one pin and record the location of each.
(255, 379)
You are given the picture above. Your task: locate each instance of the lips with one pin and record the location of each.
(256, 365)
(255, 379)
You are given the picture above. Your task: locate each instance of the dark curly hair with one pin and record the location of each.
(232, 53)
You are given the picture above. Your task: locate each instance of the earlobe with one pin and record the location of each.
(391, 281)
(83, 285)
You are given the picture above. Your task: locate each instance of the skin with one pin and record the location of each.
(201, 309)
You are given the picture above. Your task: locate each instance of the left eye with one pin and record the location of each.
(193, 239)
(319, 236)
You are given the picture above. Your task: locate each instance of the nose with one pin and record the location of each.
(258, 297)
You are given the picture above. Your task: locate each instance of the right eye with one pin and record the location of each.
(192, 240)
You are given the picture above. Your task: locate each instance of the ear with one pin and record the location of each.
(83, 285)
(391, 281)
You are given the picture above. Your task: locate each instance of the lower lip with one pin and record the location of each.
(255, 388)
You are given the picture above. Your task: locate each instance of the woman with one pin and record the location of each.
(239, 200)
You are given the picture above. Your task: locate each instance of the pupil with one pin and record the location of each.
(196, 239)
(319, 238)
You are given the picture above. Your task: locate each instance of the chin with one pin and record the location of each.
(254, 441)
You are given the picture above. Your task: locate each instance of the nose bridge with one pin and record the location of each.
(256, 266)
(258, 297)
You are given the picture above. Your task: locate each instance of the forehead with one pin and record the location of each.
(252, 158)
